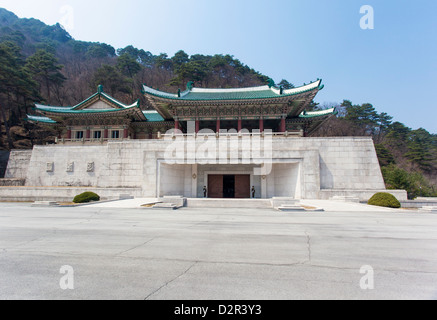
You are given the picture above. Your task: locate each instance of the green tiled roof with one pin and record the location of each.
(71, 110)
(40, 119)
(315, 114)
(263, 92)
(153, 116)
(78, 109)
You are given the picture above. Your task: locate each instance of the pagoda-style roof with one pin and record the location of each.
(262, 92)
(99, 104)
(318, 113)
(310, 121)
(153, 116)
(285, 102)
(41, 119)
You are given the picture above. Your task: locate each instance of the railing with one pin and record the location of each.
(287, 134)
(85, 140)
(160, 136)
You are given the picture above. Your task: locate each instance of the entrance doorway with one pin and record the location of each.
(229, 186)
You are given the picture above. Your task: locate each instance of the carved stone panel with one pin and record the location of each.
(50, 167)
(90, 167)
(70, 167)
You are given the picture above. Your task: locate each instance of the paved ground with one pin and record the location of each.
(215, 254)
(125, 204)
(327, 205)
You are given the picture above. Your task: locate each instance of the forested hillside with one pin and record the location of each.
(45, 64)
(408, 157)
(40, 63)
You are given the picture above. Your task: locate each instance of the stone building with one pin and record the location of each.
(215, 143)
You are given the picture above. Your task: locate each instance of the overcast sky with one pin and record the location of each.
(392, 66)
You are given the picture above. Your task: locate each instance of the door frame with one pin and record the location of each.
(225, 173)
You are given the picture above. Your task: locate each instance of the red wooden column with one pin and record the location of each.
(197, 126)
(240, 124)
(69, 134)
(176, 125)
(218, 126)
(261, 125)
(283, 127)
(125, 133)
(88, 134)
(105, 133)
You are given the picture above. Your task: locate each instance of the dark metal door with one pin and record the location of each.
(242, 186)
(215, 186)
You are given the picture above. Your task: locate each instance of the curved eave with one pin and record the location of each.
(103, 96)
(43, 120)
(216, 95)
(41, 107)
(313, 120)
(85, 102)
(118, 103)
(318, 114)
(91, 100)
(134, 109)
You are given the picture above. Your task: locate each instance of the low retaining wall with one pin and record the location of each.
(426, 199)
(4, 157)
(18, 164)
(417, 204)
(362, 195)
(60, 194)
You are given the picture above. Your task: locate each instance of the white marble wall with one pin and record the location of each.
(172, 180)
(18, 164)
(302, 167)
(287, 180)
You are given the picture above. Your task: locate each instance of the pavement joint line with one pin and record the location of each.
(220, 253)
(227, 262)
(167, 283)
(27, 242)
(135, 247)
(308, 246)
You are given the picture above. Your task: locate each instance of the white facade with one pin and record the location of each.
(301, 168)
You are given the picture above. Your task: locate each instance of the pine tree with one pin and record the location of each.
(16, 86)
(44, 68)
(419, 143)
(112, 80)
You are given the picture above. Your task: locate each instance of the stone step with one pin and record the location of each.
(168, 206)
(126, 197)
(429, 209)
(346, 199)
(45, 204)
(290, 208)
(229, 203)
(178, 201)
(277, 202)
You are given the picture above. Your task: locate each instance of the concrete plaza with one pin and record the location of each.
(119, 253)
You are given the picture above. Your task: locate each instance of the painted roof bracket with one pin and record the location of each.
(190, 85)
